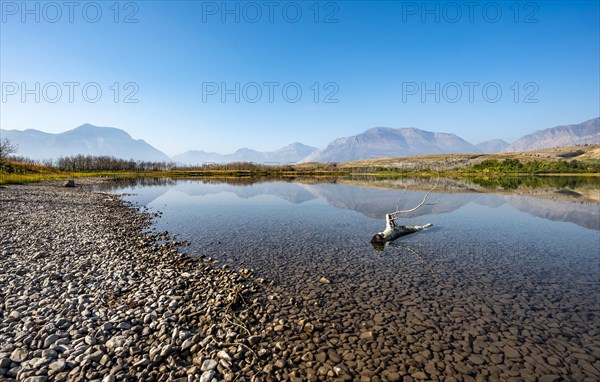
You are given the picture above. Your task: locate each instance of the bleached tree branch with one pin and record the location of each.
(394, 215)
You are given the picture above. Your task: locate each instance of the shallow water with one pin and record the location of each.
(496, 270)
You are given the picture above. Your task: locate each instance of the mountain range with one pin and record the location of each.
(85, 139)
(587, 132)
(376, 142)
(493, 146)
(289, 154)
(381, 142)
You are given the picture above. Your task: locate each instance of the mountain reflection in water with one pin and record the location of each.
(375, 199)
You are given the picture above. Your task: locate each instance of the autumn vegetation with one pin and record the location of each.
(578, 161)
(514, 166)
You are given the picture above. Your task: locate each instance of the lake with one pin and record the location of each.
(505, 285)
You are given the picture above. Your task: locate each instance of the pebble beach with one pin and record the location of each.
(86, 293)
(89, 292)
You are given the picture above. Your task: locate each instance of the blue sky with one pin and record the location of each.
(301, 71)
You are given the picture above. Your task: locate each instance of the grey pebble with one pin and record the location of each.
(209, 364)
(207, 376)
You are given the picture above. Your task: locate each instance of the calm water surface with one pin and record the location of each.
(497, 272)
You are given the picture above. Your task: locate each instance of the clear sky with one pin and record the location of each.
(218, 76)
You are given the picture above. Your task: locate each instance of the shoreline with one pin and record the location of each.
(87, 294)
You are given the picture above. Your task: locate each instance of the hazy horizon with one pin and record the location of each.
(218, 76)
(209, 150)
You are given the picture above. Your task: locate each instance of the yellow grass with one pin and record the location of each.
(450, 161)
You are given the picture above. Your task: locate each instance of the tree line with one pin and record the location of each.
(108, 163)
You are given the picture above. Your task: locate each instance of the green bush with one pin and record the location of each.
(511, 165)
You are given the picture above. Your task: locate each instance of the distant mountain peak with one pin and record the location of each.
(291, 153)
(298, 144)
(86, 126)
(90, 129)
(86, 139)
(587, 132)
(245, 150)
(492, 146)
(378, 129)
(379, 142)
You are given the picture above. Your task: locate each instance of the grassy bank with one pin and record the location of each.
(567, 161)
(19, 173)
(22, 173)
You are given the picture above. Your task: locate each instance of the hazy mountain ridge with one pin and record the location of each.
(377, 142)
(289, 154)
(587, 132)
(85, 139)
(492, 146)
(382, 142)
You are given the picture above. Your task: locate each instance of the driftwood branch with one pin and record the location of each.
(394, 215)
(393, 231)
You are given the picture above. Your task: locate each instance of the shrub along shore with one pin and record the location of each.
(15, 172)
